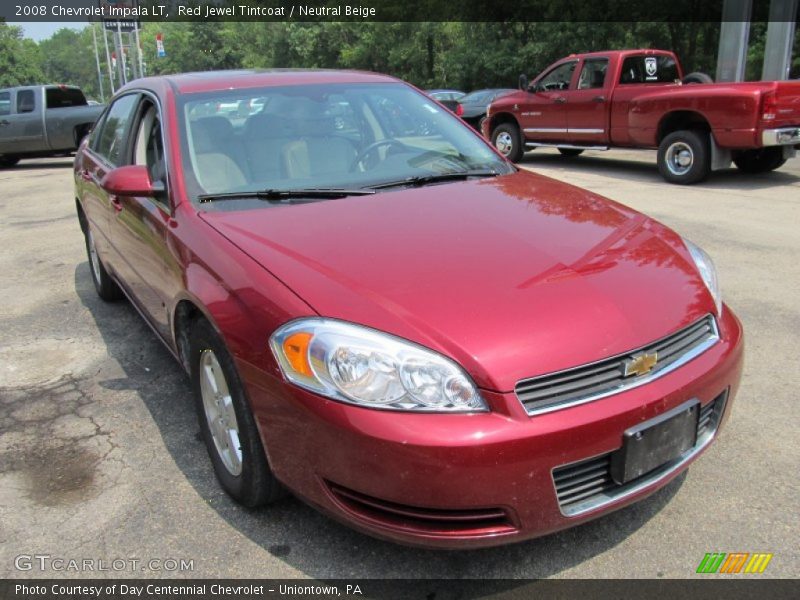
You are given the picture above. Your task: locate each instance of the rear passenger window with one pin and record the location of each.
(64, 97)
(593, 74)
(649, 69)
(25, 101)
(111, 139)
(5, 103)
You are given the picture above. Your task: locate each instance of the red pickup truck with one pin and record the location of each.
(640, 99)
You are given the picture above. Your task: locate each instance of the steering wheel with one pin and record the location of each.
(371, 148)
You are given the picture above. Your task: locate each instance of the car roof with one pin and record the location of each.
(609, 53)
(209, 81)
(487, 91)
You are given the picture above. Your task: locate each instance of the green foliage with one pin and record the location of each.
(450, 54)
(68, 57)
(19, 58)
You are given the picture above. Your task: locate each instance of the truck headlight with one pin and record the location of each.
(707, 270)
(362, 366)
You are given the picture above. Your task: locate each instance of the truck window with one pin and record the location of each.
(557, 79)
(5, 103)
(25, 101)
(593, 73)
(649, 69)
(63, 97)
(111, 137)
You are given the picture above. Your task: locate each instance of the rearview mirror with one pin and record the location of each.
(131, 180)
(523, 82)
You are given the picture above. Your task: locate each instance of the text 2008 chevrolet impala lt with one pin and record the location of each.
(383, 315)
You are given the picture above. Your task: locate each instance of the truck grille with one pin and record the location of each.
(600, 379)
(587, 485)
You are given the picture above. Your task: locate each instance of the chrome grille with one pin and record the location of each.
(600, 379)
(586, 485)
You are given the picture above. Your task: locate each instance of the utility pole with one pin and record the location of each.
(139, 50)
(97, 63)
(108, 60)
(123, 70)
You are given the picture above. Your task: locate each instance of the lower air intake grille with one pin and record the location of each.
(618, 373)
(586, 485)
(442, 522)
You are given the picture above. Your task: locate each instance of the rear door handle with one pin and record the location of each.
(116, 203)
(599, 99)
(4, 122)
(560, 100)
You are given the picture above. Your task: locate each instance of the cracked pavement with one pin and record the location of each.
(100, 455)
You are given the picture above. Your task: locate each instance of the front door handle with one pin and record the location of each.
(86, 175)
(599, 99)
(4, 122)
(116, 203)
(560, 100)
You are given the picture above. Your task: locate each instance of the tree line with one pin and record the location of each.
(457, 55)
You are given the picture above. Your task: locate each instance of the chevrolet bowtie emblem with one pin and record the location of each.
(641, 365)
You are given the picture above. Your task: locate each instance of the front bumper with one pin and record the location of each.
(473, 480)
(784, 136)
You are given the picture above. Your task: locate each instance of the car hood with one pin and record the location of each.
(512, 276)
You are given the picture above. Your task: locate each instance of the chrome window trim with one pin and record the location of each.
(634, 383)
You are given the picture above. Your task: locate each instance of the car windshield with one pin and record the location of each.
(323, 137)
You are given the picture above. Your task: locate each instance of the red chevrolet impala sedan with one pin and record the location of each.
(381, 314)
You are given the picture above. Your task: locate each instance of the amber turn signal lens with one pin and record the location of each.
(295, 348)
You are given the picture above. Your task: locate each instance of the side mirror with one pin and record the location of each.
(131, 180)
(523, 82)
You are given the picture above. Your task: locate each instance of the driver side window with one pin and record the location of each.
(557, 79)
(149, 149)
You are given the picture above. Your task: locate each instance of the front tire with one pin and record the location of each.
(570, 151)
(759, 161)
(683, 157)
(105, 286)
(226, 421)
(8, 161)
(508, 141)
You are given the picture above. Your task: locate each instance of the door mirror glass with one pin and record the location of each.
(523, 82)
(131, 180)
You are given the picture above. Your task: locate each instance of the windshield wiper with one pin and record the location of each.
(275, 195)
(420, 180)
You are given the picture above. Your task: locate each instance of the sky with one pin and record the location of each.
(41, 31)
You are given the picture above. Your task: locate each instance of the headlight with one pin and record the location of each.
(707, 271)
(366, 367)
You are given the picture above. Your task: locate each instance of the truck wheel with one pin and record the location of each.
(759, 161)
(226, 422)
(508, 141)
(683, 157)
(697, 77)
(570, 151)
(8, 161)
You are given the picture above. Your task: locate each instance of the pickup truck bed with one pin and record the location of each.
(638, 99)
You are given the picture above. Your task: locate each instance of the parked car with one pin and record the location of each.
(395, 323)
(641, 99)
(43, 120)
(448, 98)
(472, 107)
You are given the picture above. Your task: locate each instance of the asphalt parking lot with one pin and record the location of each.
(100, 456)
